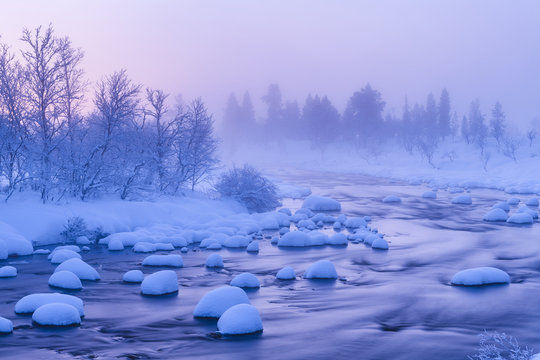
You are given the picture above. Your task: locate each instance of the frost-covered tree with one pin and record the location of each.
(497, 123)
(274, 123)
(291, 116)
(407, 132)
(321, 121)
(465, 129)
(477, 126)
(444, 111)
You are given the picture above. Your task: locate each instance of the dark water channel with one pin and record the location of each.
(396, 304)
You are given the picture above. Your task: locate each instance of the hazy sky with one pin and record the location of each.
(475, 48)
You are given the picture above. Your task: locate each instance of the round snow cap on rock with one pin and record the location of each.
(462, 200)
(532, 202)
(6, 326)
(65, 280)
(429, 195)
(520, 218)
(116, 245)
(240, 319)
(321, 203)
(480, 276)
(496, 214)
(287, 273)
(59, 256)
(392, 199)
(322, 269)
(160, 283)
(337, 239)
(8, 271)
(214, 303)
(133, 276)
(253, 246)
(30, 303)
(294, 239)
(379, 244)
(245, 280)
(214, 261)
(171, 260)
(79, 268)
(56, 314)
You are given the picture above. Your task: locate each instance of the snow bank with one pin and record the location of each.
(171, 260)
(462, 200)
(321, 203)
(65, 280)
(392, 199)
(8, 271)
(56, 314)
(214, 303)
(6, 326)
(286, 273)
(240, 320)
(214, 261)
(480, 276)
(163, 282)
(322, 269)
(30, 303)
(245, 280)
(133, 276)
(13, 242)
(79, 268)
(496, 214)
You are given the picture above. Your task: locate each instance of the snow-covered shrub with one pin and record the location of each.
(250, 188)
(499, 346)
(74, 227)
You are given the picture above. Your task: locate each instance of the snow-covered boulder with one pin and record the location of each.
(6, 326)
(430, 195)
(337, 239)
(532, 202)
(237, 241)
(246, 280)
(392, 199)
(379, 244)
(171, 260)
(214, 261)
(286, 273)
(306, 211)
(462, 200)
(82, 240)
(79, 268)
(513, 201)
(184, 249)
(59, 256)
(240, 319)
(525, 209)
(128, 238)
(337, 226)
(65, 280)
(164, 246)
(321, 203)
(8, 271)
(116, 245)
(214, 303)
(144, 247)
(56, 314)
(41, 252)
(355, 223)
(294, 239)
(480, 276)
(16, 244)
(503, 205)
(285, 211)
(370, 238)
(307, 223)
(30, 303)
(496, 214)
(322, 269)
(520, 218)
(133, 276)
(163, 282)
(253, 246)
(85, 248)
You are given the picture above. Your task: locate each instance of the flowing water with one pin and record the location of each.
(395, 304)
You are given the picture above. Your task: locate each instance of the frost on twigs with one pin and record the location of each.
(499, 346)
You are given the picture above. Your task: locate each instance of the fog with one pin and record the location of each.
(483, 49)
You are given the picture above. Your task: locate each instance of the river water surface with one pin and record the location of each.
(395, 304)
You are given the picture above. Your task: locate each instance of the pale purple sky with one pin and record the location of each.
(488, 49)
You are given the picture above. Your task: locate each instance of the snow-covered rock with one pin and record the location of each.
(56, 314)
(41, 252)
(214, 261)
(305, 211)
(245, 280)
(294, 239)
(214, 246)
(337, 225)
(322, 269)
(532, 202)
(429, 195)
(6, 326)
(85, 248)
(240, 319)
(355, 223)
(82, 240)
(462, 200)
(79, 268)
(307, 223)
(503, 205)
(144, 247)
(337, 239)
(379, 244)
(163, 282)
(237, 241)
(8, 271)
(392, 199)
(525, 209)
(513, 201)
(286, 273)
(184, 249)
(496, 214)
(285, 211)
(214, 303)
(171, 260)
(321, 203)
(65, 280)
(133, 276)
(253, 246)
(370, 238)
(481, 276)
(116, 245)
(16, 244)
(520, 218)
(30, 303)
(59, 256)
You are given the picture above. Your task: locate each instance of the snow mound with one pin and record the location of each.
(40, 252)
(496, 214)
(56, 314)
(253, 246)
(8, 271)
(246, 280)
(128, 238)
(480, 276)
(462, 200)
(65, 280)
(6, 326)
(116, 245)
(532, 202)
(133, 276)
(214, 261)
(429, 195)
(144, 247)
(322, 269)
(214, 246)
(520, 218)
(237, 241)
(370, 238)
(287, 273)
(355, 223)
(503, 205)
(16, 244)
(68, 247)
(306, 223)
(525, 209)
(392, 199)
(79, 268)
(214, 303)
(160, 283)
(513, 201)
(325, 218)
(321, 203)
(171, 260)
(240, 319)
(337, 225)
(304, 211)
(59, 256)
(285, 211)
(82, 240)
(30, 303)
(337, 239)
(294, 239)
(379, 244)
